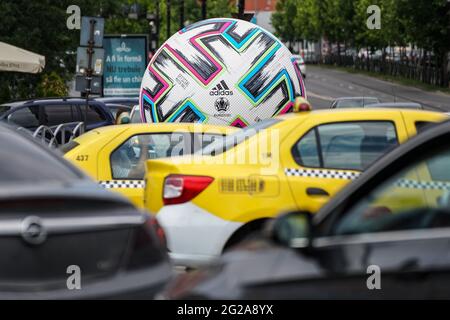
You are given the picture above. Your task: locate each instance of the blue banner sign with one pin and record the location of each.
(125, 63)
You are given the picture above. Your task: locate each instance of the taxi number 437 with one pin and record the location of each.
(82, 157)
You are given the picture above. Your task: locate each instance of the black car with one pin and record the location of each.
(385, 236)
(119, 104)
(64, 237)
(51, 112)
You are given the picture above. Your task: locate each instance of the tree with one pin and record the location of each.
(283, 21)
(427, 25)
(306, 22)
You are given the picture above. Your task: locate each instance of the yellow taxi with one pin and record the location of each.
(209, 202)
(115, 155)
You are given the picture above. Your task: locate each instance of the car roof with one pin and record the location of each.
(396, 105)
(15, 104)
(367, 176)
(116, 99)
(163, 127)
(355, 98)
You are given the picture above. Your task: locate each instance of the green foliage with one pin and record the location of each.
(51, 85)
(40, 26)
(425, 23)
(283, 20)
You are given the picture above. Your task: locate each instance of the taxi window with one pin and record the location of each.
(421, 126)
(408, 200)
(345, 145)
(128, 160)
(233, 140)
(306, 151)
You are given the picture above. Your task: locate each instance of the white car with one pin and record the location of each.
(301, 64)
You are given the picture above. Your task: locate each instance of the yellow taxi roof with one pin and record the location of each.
(158, 127)
(353, 113)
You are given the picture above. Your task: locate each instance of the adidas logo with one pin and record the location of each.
(221, 89)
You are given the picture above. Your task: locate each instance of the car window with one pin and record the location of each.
(128, 161)
(439, 167)
(306, 151)
(203, 140)
(346, 145)
(27, 117)
(4, 109)
(350, 103)
(233, 140)
(26, 163)
(54, 115)
(411, 199)
(93, 114)
(136, 117)
(421, 126)
(370, 101)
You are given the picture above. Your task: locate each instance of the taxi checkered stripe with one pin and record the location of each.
(114, 184)
(313, 173)
(426, 185)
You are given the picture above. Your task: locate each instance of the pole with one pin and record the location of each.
(181, 14)
(203, 9)
(168, 19)
(157, 25)
(150, 39)
(241, 7)
(90, 51)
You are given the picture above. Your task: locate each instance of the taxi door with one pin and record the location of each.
(116, 162)
(323, 156)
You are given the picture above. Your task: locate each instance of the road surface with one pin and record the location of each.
(323, 85)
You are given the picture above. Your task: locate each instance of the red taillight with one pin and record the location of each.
(181, 188)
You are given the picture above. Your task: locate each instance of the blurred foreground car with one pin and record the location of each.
(55, 220)
(384, 236)
(353, 102)
(211, 201)
(116, 155)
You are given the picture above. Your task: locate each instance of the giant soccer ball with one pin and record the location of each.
(220, 71)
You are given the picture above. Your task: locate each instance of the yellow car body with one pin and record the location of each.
(264, 175)
(95, 151)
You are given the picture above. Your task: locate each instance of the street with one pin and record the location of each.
(323, 85)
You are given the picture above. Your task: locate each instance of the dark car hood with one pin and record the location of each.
(77, 189)
(249, 265)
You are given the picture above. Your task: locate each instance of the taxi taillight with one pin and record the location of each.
(183, 188)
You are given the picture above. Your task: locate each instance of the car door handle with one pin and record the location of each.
(316, 192)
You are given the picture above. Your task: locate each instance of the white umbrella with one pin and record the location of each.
(19, 60)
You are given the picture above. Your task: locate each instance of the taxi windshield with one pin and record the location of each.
(233, 140)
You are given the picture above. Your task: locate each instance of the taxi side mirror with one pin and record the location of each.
(293, 229)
